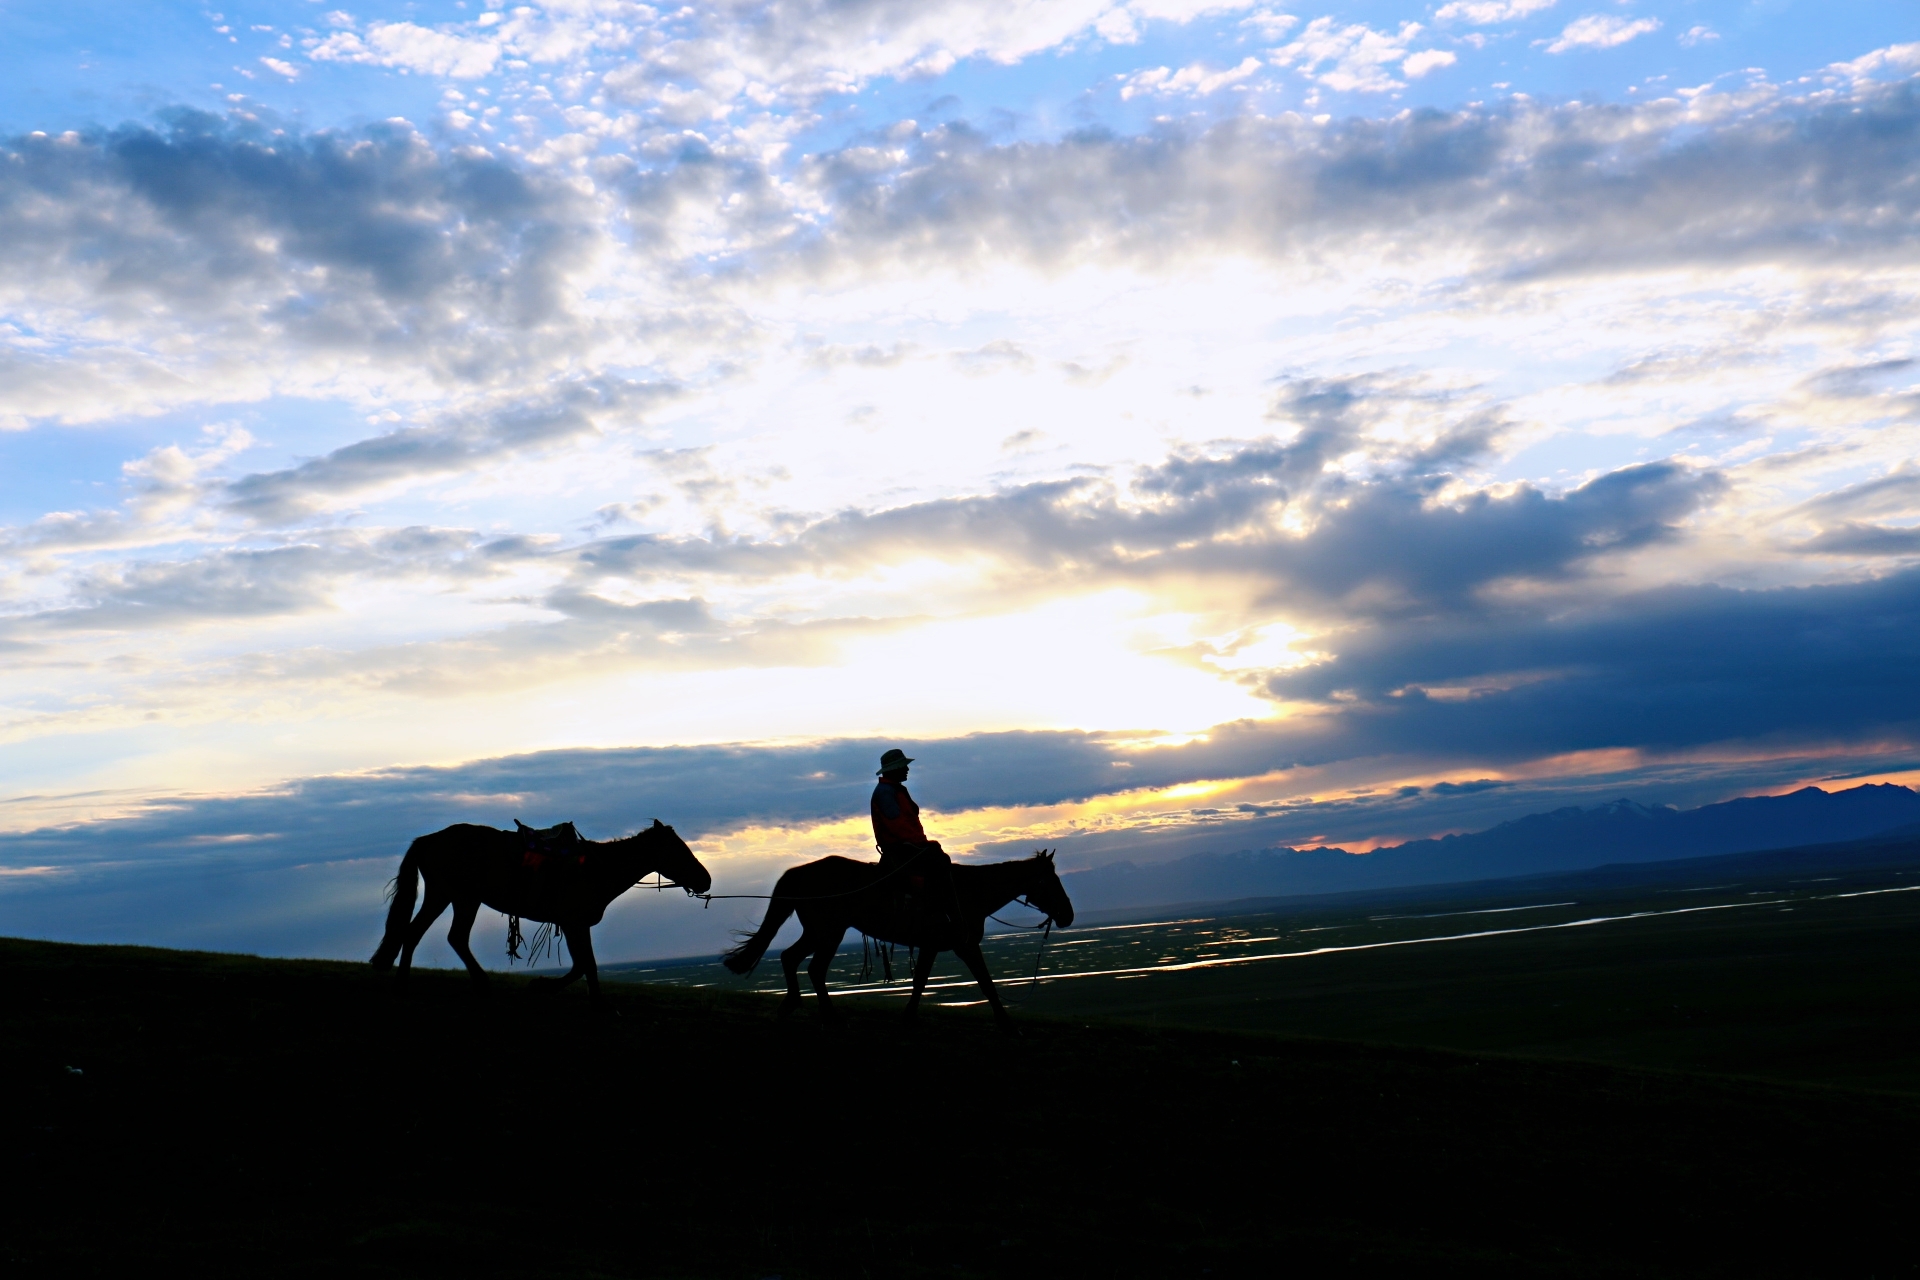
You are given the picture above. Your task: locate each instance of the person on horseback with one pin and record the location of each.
(909, 861)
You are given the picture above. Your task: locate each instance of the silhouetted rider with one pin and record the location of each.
(912, 863)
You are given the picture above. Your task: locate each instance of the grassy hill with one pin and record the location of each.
(301, 1118)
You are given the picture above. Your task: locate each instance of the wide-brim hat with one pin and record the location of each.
(895, 758)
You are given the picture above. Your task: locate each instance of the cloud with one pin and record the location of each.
(1850, 539)
(1506, 195)
(1896, 58)
(414, 48)
(1601, 31)
(1349, 59)
(1277, 517)
(239, 583)
(1839, 516)
(730, 58)
(457, 442)
(1197, 80)
(1695, 36)
(1426, 60)
(165, 487)
(224, 585)
(256, 239)
(1660, 670)
(1485, 12)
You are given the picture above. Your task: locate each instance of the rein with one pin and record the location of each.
(1047, 924)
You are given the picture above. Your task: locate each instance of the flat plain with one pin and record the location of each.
(1708, 1080)
(1789, 975)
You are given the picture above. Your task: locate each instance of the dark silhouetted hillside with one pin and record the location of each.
(1567, 839)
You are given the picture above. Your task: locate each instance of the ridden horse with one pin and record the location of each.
(568, 887)
(835, 894)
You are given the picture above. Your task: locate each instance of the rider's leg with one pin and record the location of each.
(938, 869)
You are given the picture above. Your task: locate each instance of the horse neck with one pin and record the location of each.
(1002, 882)
(634, 857)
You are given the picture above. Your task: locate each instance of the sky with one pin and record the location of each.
(1179, 425)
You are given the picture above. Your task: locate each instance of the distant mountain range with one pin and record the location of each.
(1567, 839)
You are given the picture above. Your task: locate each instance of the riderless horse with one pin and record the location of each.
(563, 881)
(835, 894)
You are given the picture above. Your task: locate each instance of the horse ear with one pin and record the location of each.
(658, 823)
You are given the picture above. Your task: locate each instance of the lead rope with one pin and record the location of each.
(1038, 955)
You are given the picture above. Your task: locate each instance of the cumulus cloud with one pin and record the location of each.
(1350, 59)
(1426, 60)
(1484, 12)
(1601, 31)
(745, 56)
(1197, 79)
(165, 488)
(375, 242)
(1631, 187)
(415, 48)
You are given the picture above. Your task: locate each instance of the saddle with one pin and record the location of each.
(553, 857)
(560, 833)
(549, 848)
(902, 903)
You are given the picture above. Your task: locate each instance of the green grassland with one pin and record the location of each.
(245, 1116)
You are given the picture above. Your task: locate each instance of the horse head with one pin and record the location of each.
(677, 862)
(1046, 893)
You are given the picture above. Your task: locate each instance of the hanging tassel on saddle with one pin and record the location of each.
(545, 939)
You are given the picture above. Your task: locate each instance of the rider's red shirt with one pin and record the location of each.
(896, 818)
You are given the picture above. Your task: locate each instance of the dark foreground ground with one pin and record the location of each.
(238, 1116)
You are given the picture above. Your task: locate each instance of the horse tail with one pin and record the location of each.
(744, 957)
(405, 887)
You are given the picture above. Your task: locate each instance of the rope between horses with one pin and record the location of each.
(711, 898)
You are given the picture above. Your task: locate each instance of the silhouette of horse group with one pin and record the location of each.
(558, 879)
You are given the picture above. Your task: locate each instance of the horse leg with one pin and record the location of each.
(790, 964)
(460, 934)
(580, 943)
(922, 966)
(573, 972)
(969, 953)
(429, 912)
(823, 955)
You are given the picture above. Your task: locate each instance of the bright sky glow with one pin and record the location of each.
(1427, 393)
